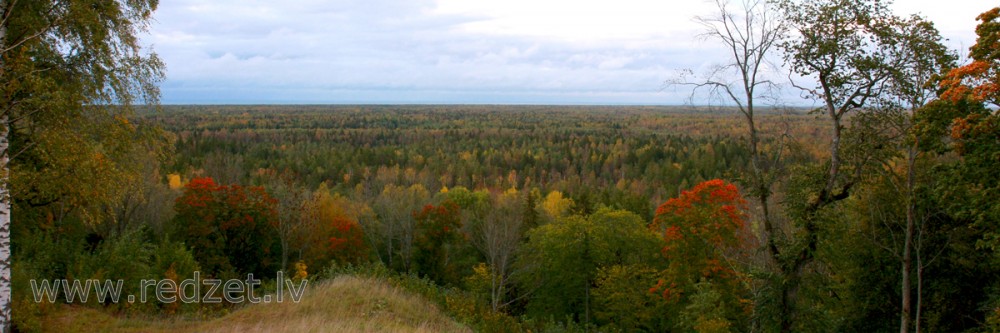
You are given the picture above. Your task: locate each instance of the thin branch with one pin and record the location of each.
(21, 40)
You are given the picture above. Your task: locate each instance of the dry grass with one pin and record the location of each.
(345, 304)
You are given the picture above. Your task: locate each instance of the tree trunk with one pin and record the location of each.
(5, 212)
(388, 242)
(906, 308)
(284, 252)
(920, 291)
(788, 294)
(5, 202)
(793, 268)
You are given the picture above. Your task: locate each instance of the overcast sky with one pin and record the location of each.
(450, 51)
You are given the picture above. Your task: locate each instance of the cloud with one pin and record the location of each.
(427, 51)
(399, 51)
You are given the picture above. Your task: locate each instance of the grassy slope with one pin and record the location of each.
(346, 304)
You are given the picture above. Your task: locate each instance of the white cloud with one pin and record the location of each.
(486, 51)
(576, 20)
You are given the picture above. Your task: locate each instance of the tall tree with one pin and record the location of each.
(841, 47)
(498, 238)
(750, 32)
(395, 207)
(292, 205)
(63, 65)
(919, 55)
(976, 136)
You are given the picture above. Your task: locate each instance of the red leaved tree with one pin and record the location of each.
(438, 240)
(704, 230)
(346, 241)
(230, 229)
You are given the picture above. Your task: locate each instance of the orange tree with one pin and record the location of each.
(980, 79)
(338, 239)
(976, 135)
(230, 229)
(704, 230)
(970, 188)
(330, 231)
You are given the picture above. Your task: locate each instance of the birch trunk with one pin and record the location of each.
(5, 295)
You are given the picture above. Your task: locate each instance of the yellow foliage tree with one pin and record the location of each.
(174, 181)
(555, 206)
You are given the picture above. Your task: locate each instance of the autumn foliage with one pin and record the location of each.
(438, 238)
(330, 232)
(701, 220)
(979, 82)
(346, 240)
(703, 228)
(980, 79)
(229, 228)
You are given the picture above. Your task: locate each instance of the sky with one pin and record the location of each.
(451, 51)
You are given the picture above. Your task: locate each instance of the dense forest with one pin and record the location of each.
(875, 210)
(621, 155)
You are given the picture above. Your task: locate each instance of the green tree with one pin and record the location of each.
(561, 259)
(973, 185)
(623, 301)
(921, 56)
(68, 69)
(948, 267)
(395, 207)
(844, 49)
(975, 133)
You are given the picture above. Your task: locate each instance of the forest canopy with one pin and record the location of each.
(874, 210)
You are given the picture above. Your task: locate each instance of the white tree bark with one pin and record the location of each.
(5, 287)
(5, 295)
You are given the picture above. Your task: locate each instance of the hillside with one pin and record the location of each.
(345, 304)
